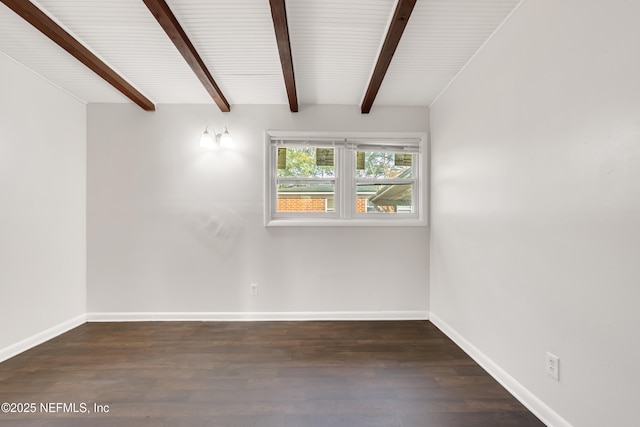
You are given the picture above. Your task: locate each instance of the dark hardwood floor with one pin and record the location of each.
(254, 374)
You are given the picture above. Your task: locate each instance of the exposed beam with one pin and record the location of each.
(167, 20)
(33, 15)
(281, 27)
(394, 33)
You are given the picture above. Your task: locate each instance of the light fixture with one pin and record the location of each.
(210, 141)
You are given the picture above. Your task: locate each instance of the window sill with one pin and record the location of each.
(340, 222)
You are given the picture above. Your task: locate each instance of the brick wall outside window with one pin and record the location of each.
(301, 205)
(296, 204)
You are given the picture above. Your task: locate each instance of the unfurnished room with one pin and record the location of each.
(313, 213)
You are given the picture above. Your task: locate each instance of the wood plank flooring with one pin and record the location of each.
(254, 374)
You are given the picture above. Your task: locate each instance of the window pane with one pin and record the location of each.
(306, 162)
(377, 164)
(386, 198)
(311, 197)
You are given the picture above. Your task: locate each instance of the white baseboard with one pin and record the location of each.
(39, 338)
(528, 399)
(256, 316)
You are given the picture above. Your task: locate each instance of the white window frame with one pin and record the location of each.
(346, 145)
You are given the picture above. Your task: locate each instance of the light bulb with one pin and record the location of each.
(225, 138)
(206, 141)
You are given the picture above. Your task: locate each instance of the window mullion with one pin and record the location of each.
(348, 189)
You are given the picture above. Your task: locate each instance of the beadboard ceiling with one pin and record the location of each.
(334, 45)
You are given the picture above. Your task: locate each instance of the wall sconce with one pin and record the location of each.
(210, 141)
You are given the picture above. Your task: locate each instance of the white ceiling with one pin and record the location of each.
(334, 44)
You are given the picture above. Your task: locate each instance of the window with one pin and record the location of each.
(305, 179)
(343, 179)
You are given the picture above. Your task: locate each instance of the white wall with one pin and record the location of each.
(152, 191)
(42, 213)
(536, 205)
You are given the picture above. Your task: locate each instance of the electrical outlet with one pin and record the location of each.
(253, 289)
(553, 366)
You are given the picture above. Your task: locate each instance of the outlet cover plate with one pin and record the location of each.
(553, 366)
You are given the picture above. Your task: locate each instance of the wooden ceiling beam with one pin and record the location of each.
(394, 33)
(281, 27)
(167, 20)
(36, 17)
